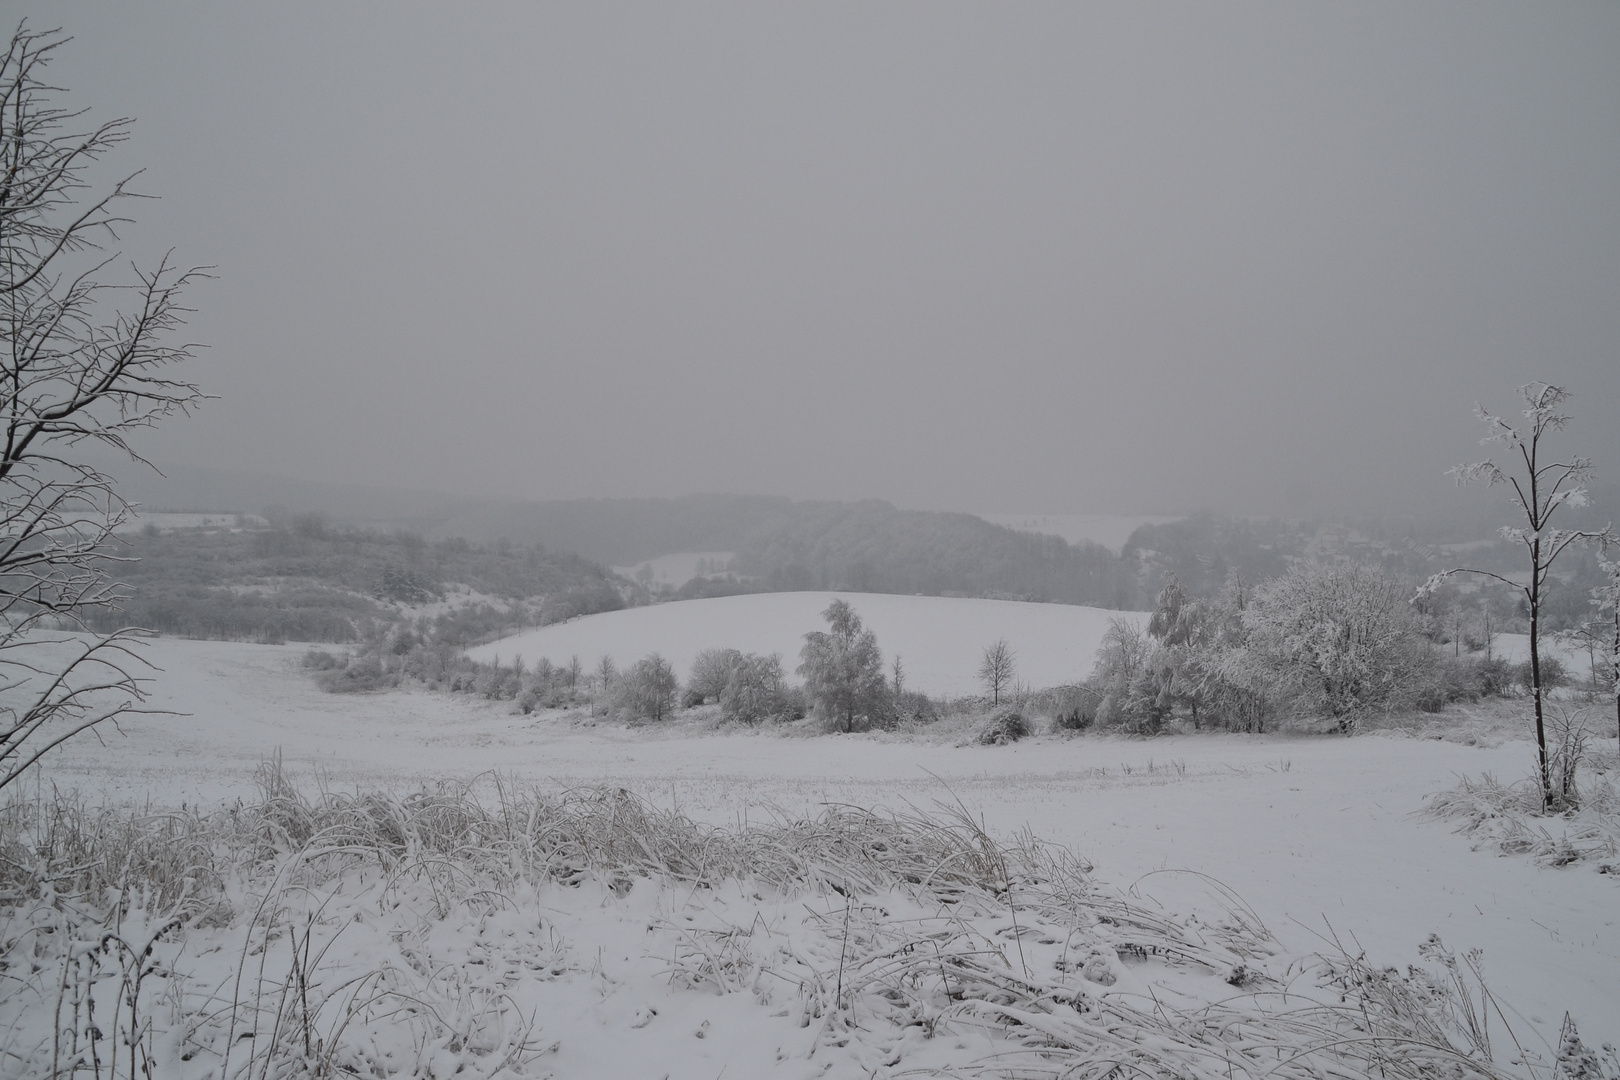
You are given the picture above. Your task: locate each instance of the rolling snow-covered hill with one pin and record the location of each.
(940, 639)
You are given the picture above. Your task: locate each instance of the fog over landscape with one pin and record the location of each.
(1054, 259)
(883, 540)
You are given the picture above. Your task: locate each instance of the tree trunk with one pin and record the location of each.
(1535, 670)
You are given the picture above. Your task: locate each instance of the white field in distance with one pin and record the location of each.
(677, 569)
(168, 522)
(941, 640)
(1109, 530)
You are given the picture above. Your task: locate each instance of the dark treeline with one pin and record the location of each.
(304, 579)
(622, 532)
(872, 547)
(301, 579)
(782, 545)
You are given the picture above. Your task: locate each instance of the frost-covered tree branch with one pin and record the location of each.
(86, 359)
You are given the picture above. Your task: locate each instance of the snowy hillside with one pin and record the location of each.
(939, 639)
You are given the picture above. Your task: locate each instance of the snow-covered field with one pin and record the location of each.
(1109, 530)
(940, 640)
(1515, 649)
(1319, 835)
(677, 569)
(170, 521)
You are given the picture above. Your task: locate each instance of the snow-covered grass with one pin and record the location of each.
(1322, 837)
(940, 639)
(593, 934)
(1508, 818)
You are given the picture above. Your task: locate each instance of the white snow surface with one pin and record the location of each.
(168, 522)
(1109, 530)
(678, 568)
(1320, 835)
(1515, 649)
(941, 640)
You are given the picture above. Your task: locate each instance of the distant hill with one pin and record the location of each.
(774, 544)
(300, 578)
(781, 545)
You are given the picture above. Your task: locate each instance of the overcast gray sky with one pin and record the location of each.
(1017, 257)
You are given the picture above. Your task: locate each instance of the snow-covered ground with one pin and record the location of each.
(1109, 530)
(940, 640)
(678, 568)
(1515, 649)
(1320, 835)
(170, 521)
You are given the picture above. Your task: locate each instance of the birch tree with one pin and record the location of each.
(1542, 485)
(843, 670)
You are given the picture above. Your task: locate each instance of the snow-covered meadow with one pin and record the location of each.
(1321, 838)
(1109, 530)
(940, 640)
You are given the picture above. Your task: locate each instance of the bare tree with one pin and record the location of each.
(1541, 488)
(85, 360)
(605, 673)
(996, 669)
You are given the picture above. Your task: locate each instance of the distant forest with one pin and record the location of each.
(782, 545)
(305, 579)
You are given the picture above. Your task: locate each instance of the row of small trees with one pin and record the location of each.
(841, 668)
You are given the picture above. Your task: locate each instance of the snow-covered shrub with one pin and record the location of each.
(1553, 674)
(320, 660)
(1070, 708)
(362, 673)
(711, 671)
(1128, 698)
(754, 690)
(914, 707)
(1005, 726)
(646, 691)
(1336, 638)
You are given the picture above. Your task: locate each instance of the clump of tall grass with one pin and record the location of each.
(904, 926)
(1510, 819)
